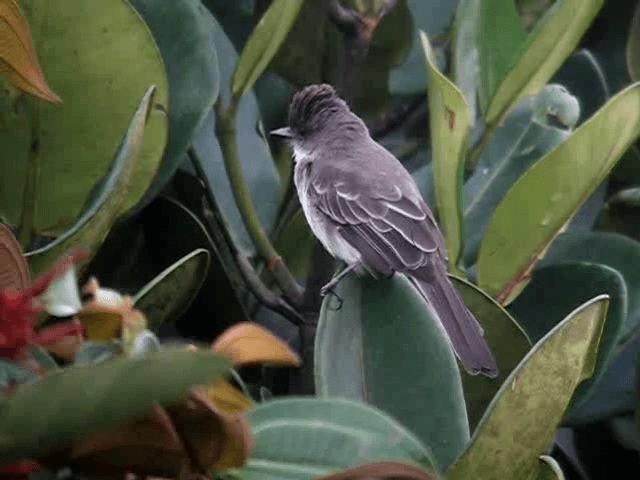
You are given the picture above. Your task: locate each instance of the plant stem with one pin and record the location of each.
(226, 133)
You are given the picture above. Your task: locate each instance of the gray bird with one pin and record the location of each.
(366, 210)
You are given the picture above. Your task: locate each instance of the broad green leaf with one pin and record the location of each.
(263, 43)
(303, 438)
(633, 46)
(105, 201)
(620, 212)
(258, 167)
(522, 419)
(465, 53)
(383, 347)
(506, 339)
(79, 400)
(433, 17)
(449, 123)
(295, 244)
(548, 469)
(616, 392)
(94, 352)
(543, 200)
(101, 58)
(528, 62)
(183, 31)
(610, 249)
(555, 291)
(170, 293)
(536, 125)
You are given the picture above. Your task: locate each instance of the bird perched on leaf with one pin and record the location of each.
(366, 210)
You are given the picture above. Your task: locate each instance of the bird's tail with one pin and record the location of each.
(464, 332)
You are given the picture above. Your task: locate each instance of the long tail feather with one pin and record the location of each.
(464, 332)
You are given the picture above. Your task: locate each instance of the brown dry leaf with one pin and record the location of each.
(228, 398)
(385, 470)
(18, 57)
(148, 445)
(247, 342)
(14, 272)
(214, 440)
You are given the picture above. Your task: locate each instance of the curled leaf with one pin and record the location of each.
(18, 57)
(247, 342)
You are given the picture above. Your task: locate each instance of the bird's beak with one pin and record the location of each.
(284, 132)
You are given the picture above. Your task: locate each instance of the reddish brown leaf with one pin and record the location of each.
(386, 470)
(247, 342)
(14, 272)
(18, 57)
(213, 440)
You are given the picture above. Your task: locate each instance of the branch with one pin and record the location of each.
(226, 133)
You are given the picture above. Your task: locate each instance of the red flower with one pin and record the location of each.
(19, 307)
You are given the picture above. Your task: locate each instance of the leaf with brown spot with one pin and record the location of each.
(17, 56)
(247, 343)
(213, 440)
(14, 273)
(228, 398)
(382, 471)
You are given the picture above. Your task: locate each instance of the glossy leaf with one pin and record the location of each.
(303, 438)
(434, 18)
(361, 354)
(533, 59)
(506, 443)
(105, 202)
(263, 43)
(295, 244)
(506, 339)
(449, 122)
(555, 291)
(610, 249)
(535, 126)
(170, 293)
(258, 168)
(183, 31)
(383, 470)
(542, 201)
(548, 469)
(81, 135)
(633, 46)
(61, 407)
(465, 53)
(248, 343)
(18, 58)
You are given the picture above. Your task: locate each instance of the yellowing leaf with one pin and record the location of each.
(228, 398)
(17, 56)
(247, 342)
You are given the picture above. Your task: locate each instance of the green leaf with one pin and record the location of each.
(385, 347)
(449, 122)
(536, 125)
(183, 31)
(303, 438)
(11, 373)
(512, 64)
(633, 46)
(100, 58)
(105, 201)
(610, 249)
(506, 339)
(94, 352)
(170, 293)
(548, 469)
(43, 357)
(625, 430)
(434, 18)
(258, 167)
(543, 200)
(522, 419)
(557, 290)
(79, 400)
(295, 244)
(465, 54)
(263, 43)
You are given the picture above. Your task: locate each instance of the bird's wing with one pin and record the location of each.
(392, 228)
